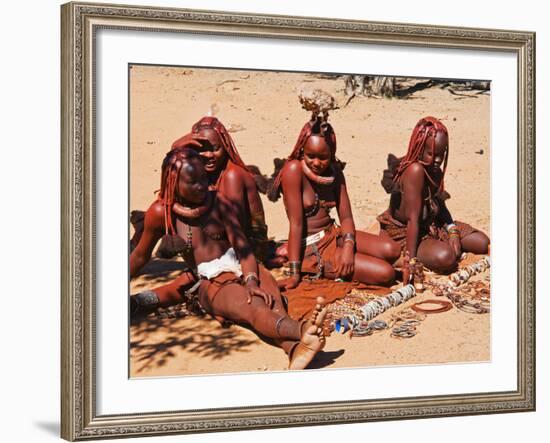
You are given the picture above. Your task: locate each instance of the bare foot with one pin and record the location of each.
(313, 319)
(313, 339)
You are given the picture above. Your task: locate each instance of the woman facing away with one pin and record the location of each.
(231, 286)
(312, 183)
(227, 174)
(418, 217)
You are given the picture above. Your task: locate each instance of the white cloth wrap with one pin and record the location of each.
(228, 262)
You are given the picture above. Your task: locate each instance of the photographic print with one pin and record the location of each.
(332, 198)
(292, 220)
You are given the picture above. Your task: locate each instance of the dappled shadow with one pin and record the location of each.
(162, 270)
(155, 341)
(324, 359)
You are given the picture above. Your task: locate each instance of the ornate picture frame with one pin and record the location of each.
(80, 23)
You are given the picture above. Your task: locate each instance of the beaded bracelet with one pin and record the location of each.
(453, 232)
(450, 227)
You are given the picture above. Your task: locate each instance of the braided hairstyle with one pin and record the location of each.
(422, 137)
(209, 122)
(316, 126)
(171, 168)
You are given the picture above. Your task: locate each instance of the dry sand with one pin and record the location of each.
(263, 108)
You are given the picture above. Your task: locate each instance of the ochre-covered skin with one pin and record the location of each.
(418, 203)
(307, 202)
(207, 236)
(227, 174)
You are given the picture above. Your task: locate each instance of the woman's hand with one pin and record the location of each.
(454, 242)
(347, 259)
(253, 289)
(192, 141)
(289, 283)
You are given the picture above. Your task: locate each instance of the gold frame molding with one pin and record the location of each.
(78, 398)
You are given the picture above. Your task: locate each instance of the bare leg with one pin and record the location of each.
(312, 340)
(476, 242)
(231, 303)
(146, 302)
(268, 283)
(171, 293)
(378, 246)
(371, 270)
(437, 256)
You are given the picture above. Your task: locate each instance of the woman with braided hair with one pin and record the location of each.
(225, 280)
(227, 174)
(312, 183)
(418, 217)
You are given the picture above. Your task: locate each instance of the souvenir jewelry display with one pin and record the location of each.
(357, 316)
(473, 297)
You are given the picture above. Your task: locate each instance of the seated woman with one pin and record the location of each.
(231, 286)
(227, 174)
(312, 183)
(418, 217)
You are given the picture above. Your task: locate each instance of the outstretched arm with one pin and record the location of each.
(413, 183)
(234, 191)
(292, 197)
(444, 214)
(346, 265)
(237, 238)
(153, 230)
(191, 141)
(454, 236)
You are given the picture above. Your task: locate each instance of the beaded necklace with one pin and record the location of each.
(193, 213)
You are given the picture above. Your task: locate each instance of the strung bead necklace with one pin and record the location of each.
(193, 213)
(320, 180)
(207, 232)
(314, 208)
(319, 204)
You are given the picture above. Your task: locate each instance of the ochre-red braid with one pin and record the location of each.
(312, 127)
(423, 136)
(171, 167)
(228, 144)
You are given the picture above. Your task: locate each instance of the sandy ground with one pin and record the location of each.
(263, 110)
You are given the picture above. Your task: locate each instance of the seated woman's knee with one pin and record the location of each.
(385, 275)
(483, 243)
(444, 260)
(392, 251)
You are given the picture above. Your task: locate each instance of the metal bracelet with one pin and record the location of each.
(349, 236)
(251, 275)
(403, 333)
(378, 325)
(147, 299)
(294, 267)
(278, 326)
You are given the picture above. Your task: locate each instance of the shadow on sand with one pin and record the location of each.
(324, 359)
(160, 271)
(155, 341)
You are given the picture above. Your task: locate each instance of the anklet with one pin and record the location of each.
(278, 325)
